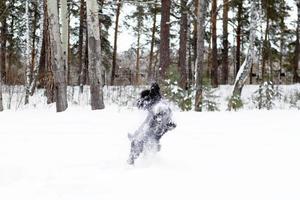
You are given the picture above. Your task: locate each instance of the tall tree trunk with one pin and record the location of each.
(225, 42)
(94, 52)
(57, 57)
(297, 65)
(164, 60)
(194, 42)
(36, 62)
(114, 58)
(82, 49)
(151, 70)
(65, 35)
(243, 72)
(137, 71)
(238, 37)
(200, 53)
(28, 70)
(214, 58)
(183, 45)
(265, 49)
(3, 40)
(1, 103)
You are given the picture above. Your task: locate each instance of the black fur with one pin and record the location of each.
(157, 123)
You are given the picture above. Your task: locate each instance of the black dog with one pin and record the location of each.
(157, 123)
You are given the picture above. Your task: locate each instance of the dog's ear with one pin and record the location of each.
(155, 91)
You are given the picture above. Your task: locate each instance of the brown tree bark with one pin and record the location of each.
(114, 58)
(3, 40)
(225, 43)
(296, 78)
(151, 71)
(82, 48)
(164, 60)
(200, 53)
(238, 36)
(183, 45)
(214, 58)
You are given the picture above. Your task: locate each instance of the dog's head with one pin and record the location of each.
(149, 97)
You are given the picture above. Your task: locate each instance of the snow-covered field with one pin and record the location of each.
(81, 155)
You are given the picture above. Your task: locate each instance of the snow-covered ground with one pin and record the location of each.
(81, 154)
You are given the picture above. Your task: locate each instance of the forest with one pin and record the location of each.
(191, 46)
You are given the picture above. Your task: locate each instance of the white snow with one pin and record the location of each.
(81, 154)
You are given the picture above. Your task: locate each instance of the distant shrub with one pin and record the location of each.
(265, 96)
(235, 103)
(293, 99)
(209, 101)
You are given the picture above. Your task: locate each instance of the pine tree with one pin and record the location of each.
(201, 7)
(183, 44)
(164, 49)
(214, 57)
(114, 60)
(225, 43)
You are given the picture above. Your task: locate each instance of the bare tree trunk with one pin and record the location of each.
(183, 45)
(28, 70)
(238, 36)
(265, 50)
(200, 53)
(137, 72)
(194, 42)
(1, 103)
(151, 70)
(65, 35)
(297, 65)
(225, 42)
(94, 52)
(57, 57)
(114, 59)
(36, 61)
(243, 72)
(164, 60)
(82, 51)
(214, 58)
(3, 40)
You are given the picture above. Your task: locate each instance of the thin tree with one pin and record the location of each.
(201, 7)
(114, 59)
(3, 38)
(28, 70)
(225, 42)
(1, 103)
(244, 71)
(151, 70)
(64, 14)
(57, 57)
(164, 49)
(214, 57)
(297, 65)
(238, 36)
(36, 60)
(183, 44)
(94, 52)
(82, 47)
